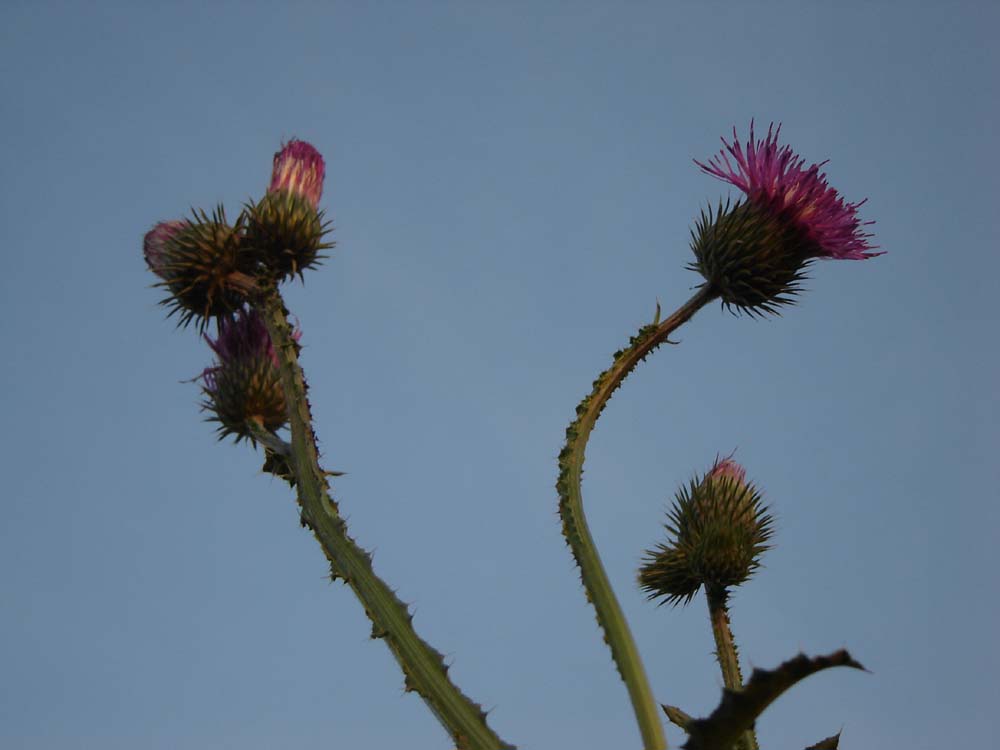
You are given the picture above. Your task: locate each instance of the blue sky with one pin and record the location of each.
(512, 190)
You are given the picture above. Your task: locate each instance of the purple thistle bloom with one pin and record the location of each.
(775, 179)
(242, 338)
(155, 241)
(299, 168)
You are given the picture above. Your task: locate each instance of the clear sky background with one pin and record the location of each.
(512, 189)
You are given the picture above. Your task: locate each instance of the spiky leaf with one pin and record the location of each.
(739, 709)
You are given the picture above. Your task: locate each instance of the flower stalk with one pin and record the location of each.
(424, 668)
(726, 652)
(595, 579)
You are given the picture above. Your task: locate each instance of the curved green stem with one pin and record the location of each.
(424, 668)
(725, 651)
(595, 580)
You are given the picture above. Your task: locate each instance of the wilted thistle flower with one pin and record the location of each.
(717, 528)
(753, 253)
(286, 228)
(202, 263)
(244, 384)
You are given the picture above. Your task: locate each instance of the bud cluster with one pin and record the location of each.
(210, 268)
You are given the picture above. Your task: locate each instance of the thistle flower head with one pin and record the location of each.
(299, 168)
(202, 263)
(244, 383)
(775, 178)
(753, 253)
(285, 229)
(717, 529)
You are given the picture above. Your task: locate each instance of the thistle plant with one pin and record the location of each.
(752, 255)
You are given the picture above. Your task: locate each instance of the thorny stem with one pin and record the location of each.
(595, 580)
(726, 652)
(423, 667)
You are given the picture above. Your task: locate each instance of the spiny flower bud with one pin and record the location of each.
(754, 253)
(244, 384)
(717, 529)
(202, 264)
(286, 228)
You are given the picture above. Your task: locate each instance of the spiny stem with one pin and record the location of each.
(726, 652)
(423, 667)
(595, 580)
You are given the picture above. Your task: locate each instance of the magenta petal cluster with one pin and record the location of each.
(299, 168)
(776, 179)
(243, 337)
(155, 241)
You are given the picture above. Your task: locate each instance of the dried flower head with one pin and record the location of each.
(717, 529)
(244, 383)
(202, 263)
(753, 253)
(285, 228)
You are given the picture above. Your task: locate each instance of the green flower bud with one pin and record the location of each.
(285, 232)
(717, 529)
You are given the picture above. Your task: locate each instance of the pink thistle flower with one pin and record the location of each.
(776, 179)
(299, 169)
(154, 244)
